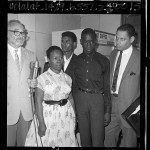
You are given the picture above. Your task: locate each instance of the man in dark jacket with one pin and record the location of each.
(92, 97)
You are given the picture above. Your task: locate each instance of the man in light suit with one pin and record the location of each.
(127, 87)
(19, 106)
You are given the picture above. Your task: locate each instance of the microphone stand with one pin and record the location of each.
(35, 73)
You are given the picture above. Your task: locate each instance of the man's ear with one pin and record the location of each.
(132, 39)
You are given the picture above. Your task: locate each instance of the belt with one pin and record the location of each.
(91, 91)
(61, 102)
(115, 95)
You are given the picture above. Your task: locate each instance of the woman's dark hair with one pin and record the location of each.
(70, 35)
(51, 49)
(88, 31)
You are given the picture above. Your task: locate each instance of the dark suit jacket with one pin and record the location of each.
(69, 68)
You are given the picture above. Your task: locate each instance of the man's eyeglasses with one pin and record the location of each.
(17, 33)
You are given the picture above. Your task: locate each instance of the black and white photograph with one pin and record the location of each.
(74, 79)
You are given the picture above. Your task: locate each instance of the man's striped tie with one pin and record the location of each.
(17, 59)
(116, 72)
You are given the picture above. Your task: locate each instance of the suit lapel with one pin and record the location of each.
(11, 60)
(22, 58)
(69, 65)
(129, 64)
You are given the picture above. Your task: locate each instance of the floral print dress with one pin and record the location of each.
(59, 120)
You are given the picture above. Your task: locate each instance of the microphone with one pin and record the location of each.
(35, 72)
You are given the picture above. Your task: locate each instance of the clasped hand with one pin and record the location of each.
(32, 83)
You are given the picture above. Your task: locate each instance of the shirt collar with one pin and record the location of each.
(68, 58)
(13, 49)
(128, 50)
(86, 56)
(53, 73)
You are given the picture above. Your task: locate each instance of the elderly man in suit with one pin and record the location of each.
(125, 86)
(19, 107)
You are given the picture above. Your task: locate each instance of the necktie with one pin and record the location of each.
(17, 60)
(116, 72)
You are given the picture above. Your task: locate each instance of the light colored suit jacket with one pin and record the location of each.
(18, 99)
(129, 88)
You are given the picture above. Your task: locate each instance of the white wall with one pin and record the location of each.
(102, 22)
(41, 26)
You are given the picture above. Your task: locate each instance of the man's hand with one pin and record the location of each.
(107, 119)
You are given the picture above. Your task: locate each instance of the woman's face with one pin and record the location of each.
(56, 60)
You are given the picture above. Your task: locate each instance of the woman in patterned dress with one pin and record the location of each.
(53, 124)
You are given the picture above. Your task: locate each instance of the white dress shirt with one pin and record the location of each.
(125, 58)
(66, 62)
(12, 51)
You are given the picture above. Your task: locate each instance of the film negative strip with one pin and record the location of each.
(74, 7)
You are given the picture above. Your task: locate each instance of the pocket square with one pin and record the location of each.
(132, 73)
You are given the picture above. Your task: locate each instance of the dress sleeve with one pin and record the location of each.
(41, 82)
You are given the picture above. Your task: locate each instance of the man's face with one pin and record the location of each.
(67, 44)
(123, 41)
(14, 39)
(88, 43)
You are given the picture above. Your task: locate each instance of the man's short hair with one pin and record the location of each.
(88, 31)
(70, 35)
(128, 28)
